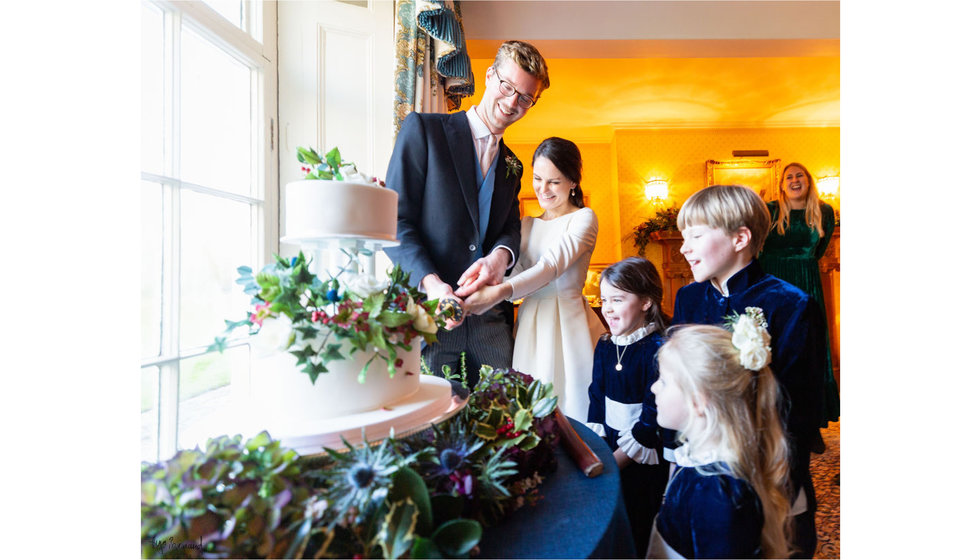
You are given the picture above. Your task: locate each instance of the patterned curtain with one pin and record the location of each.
(433, 72)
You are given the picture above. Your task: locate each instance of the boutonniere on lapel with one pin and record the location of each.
(513, 166)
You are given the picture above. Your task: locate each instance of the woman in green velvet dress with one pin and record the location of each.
(802, 226)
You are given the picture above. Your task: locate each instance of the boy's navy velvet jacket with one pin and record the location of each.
(798, 346)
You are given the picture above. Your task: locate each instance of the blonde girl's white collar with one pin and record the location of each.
(626, 339)
(684, 458)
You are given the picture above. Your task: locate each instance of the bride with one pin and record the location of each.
(556, 329)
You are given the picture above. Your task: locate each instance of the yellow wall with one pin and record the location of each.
(614, 173)
(636, 143)
(679, 155)
(599, 187)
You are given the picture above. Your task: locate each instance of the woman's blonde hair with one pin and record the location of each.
(741, 411)
(727, 207)
(812, 214)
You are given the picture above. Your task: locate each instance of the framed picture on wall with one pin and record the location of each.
(760, 175)
(530, 206)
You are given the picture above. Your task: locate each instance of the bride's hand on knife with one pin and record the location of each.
(486, 297)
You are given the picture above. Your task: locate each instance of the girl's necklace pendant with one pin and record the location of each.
(619, 357)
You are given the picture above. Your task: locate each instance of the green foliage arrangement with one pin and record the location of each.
(330, 167)
(664, 219)
(425, 496)
(315, 320)
(231, 500)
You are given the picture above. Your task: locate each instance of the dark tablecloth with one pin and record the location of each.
(578, 517)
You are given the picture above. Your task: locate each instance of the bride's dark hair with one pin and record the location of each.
(565, 155)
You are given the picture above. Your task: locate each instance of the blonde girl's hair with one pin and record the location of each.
(527, 58)
(728, 207)
(743, 426)
(812, 214)
(639, 276)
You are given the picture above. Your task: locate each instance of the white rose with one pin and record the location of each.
(754, 356)
(274, 335)
(352, 175)
(745, 332)
(423, 321)
(365, 285)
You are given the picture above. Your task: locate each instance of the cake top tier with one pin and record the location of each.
(319, 211)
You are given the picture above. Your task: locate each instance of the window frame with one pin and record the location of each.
(261, 57)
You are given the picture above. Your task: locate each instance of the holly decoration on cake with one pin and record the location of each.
(331, 167)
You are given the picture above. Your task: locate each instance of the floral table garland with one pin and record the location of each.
(425, 496)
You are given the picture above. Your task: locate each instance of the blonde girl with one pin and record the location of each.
(729, 495)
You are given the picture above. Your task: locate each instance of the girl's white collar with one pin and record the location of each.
(684, 458)
(624, 339)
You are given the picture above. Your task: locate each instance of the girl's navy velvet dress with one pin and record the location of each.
(799, 357)
(623, 410)
(711, 516)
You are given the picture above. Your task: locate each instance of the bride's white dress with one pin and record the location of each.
(556, 330)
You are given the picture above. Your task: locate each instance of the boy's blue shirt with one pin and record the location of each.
(798, 354)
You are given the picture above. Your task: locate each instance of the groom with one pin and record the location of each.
(458, 209)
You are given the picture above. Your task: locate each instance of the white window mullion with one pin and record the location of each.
(170, 342)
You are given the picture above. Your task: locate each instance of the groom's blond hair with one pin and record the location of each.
(527, 57)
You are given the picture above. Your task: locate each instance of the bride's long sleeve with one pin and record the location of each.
(578, 239)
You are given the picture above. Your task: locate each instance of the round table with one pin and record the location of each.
(577, 517)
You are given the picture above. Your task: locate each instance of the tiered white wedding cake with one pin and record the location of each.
(342, 224)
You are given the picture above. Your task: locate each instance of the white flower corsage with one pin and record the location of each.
(750, 337)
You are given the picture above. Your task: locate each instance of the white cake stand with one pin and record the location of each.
(431, 404)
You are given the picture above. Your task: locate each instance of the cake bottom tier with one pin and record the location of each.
(432, 403)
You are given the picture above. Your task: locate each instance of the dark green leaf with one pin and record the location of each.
(425, 548)
(456, 538)
(398, 529)
(407, 484)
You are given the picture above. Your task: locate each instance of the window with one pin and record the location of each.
(209, 205)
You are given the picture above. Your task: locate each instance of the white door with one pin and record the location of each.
(336, 82)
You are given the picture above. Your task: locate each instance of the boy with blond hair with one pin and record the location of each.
(724, 228)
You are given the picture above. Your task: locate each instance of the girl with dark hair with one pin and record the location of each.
(621, 407)
(556, 329)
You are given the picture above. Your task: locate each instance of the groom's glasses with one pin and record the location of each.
(508, 90)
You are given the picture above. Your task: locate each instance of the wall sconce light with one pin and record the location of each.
(656, 190)
(828, 187)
